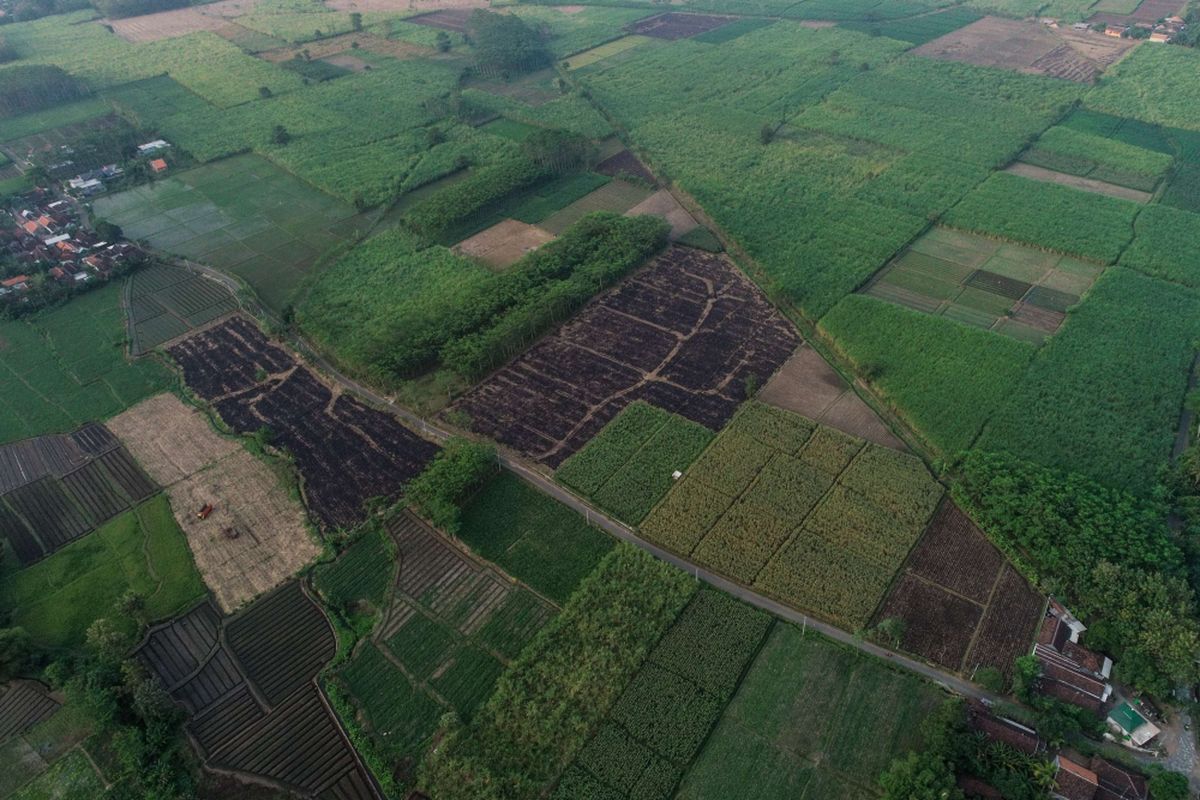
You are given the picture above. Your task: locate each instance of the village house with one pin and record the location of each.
(1069, 671)
(1073, 781)
(1130, 726)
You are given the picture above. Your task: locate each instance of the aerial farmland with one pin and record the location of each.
(615, 400)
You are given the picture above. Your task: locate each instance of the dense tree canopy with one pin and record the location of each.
(505, 43)
(26, 88)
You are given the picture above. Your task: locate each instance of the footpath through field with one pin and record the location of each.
(625, 533)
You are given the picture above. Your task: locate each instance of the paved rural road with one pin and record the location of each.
(625, 533)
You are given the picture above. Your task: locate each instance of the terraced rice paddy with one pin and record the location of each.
(1015, 290)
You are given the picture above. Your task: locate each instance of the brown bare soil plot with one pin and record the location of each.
(962, 605)
(663, 204)
(504, 244)
(255, 537)
(1028, 47)
(675, 25)
(1075, 182)
(165, 25)
(808, 386)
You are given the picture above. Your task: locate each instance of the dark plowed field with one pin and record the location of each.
(625, 163)
(292, 738)
(449, 19)
(23, 704)
(54, 489)
(345, 451)
(685, 333)
(282, 641)
(674, 25)
(954, 553)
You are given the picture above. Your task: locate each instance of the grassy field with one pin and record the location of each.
(71, 778)
(943, 378)
(534, 538)
(142, 551)
(50, 740)
(63, 367)
(628, 466)
(811, 516)
(811, 720)
(243, 215)
(358, 581)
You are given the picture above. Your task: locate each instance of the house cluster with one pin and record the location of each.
(42, 235)
(1162, 31)
(1075, 778)
(94, 181)
(1074, 674)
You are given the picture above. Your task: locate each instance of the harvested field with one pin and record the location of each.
(504, 244)
(166, 301)
(24, 704)
(167, 24)
(807, 385)
(675, 25)
(346, 452)
(254, 706)
(962, 605)
(625, 163)
(1075, 182)
(450, 19)
(663, 204)
(55, 489)
(1029, 47)
(1009, 288)
(683, 333)
(256, 536)
(450, 626)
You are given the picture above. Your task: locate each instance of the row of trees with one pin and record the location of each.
(504, 44)
(32, 87)
(455, 473)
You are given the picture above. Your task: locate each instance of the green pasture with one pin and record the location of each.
(140, 551)
(67, 366)
(241, 214)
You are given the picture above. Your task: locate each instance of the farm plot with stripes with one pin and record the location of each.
(686, 333)
(248, 684)
(56, 488)
(167, 301)
(451, 625)
(346, 453)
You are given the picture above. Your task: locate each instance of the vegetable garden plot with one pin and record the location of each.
(685, 334)
(276, 646)
(818, 519)
(1008, 288)
(168, 300)
(54, 489)
(345, 451)
(449, 626)
(23, 704)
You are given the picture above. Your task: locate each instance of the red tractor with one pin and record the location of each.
(204, 511)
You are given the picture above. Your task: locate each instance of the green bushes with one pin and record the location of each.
(456, 471)
(943, 378)
(551, 698)
(1107, 552)
(457, 202)
(26, 88)
(1103, 397)
(628, 466)
(1047, 215)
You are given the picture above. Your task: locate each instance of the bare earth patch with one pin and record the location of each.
(256, 536)
(504, 243)
(808, 386)
(180, 21)
(1029, 47)
(663, 204)
(1076, 182)
(346, 61)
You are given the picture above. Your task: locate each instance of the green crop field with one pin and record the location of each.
(361, 575)
(1134, 337)
(811, 719)
(1152, 85)
(71, 778)
(536, 539)
(244, 215)
(806, 514)
(628, 467)
(399, 715)
(1090, 155)
(64, 367)
(142, 551)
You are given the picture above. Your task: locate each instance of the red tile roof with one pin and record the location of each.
(15, 281)
(1116, 782)
(1089, 659)
(158, 165)
(1074, 781)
